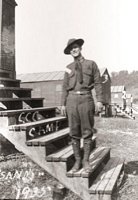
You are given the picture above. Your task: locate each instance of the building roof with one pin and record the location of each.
(46, 76)
(117, 89)
(102, 70)
(42, 76)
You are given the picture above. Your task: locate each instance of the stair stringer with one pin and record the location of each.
(77, 185)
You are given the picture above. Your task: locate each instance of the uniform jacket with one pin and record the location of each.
(91, 79)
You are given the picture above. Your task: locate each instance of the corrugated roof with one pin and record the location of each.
(117, 89)
(42, 76)
(46, 76)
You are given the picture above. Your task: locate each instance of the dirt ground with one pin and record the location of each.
(121, 134)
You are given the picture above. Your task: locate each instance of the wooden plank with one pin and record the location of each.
(34, 124)
(78, 173)
(13, 112)
(96, 161)
(113, 180)
(103, 197)
(10, 79)
(20, 99)
(55, 157)
(35, 144)
(100, 189)
(100, 177)
(42, 141)
(15, 88)
(67, 155)
(96, 157)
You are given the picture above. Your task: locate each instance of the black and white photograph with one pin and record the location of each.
(68, 100)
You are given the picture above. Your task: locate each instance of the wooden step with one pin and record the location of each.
(8, 82)
(57, 157)
(41, 128)
(24, 127)
(98, 158)
(107, 179)
(4, 74)
(14, 92)
(19, 99)
(47, 139)
(66, 153)
(17, 103)
(14, 112)
(21, 116)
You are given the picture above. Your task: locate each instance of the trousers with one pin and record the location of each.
(80, 112)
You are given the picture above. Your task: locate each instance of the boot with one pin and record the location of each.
(87, 150)
(77, 155)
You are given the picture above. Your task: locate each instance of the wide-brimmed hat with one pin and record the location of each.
(71, 42)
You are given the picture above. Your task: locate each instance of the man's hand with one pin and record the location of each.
(99, 107)
(63, 110)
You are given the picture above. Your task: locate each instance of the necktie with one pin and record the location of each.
(78, 68)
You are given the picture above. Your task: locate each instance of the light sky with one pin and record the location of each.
(43, 27)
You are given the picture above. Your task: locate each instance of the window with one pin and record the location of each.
(58, 88)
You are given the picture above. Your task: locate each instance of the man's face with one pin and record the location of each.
(75, 50)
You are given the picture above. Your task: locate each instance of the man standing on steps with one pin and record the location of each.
(81, 76)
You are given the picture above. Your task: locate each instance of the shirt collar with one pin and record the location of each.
(81, 59)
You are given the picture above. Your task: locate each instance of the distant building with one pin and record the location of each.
(49, 86)
(46, 84)
(116, 94)
(106, 85)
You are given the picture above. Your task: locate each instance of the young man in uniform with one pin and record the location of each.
(81, 76)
